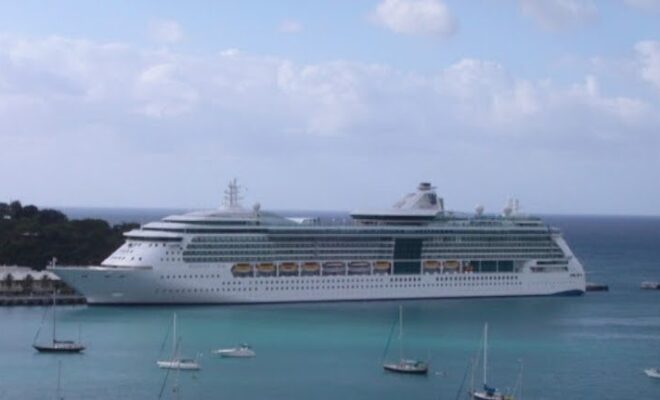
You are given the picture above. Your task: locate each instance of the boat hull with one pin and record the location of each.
(185, 366)
(215, 284)
(70, 349)
(405, 370)
(652, 373)
(231, 353)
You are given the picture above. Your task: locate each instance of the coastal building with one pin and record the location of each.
(16, 280)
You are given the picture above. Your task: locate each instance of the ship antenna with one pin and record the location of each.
(233, 195)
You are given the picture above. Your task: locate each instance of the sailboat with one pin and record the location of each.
(56, 345)
(488, 392)
(404, 365)
(177, 362)
(175, 386)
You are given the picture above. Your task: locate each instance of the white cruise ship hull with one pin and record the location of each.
(216, 285)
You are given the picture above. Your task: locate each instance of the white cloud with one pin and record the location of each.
(290, 26)
(648, 54)
(165, 31)
(162, 93)
(65, 104)
(645, 5)
(559, 14)
(416, 17)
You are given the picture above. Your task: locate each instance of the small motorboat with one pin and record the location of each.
(652, 373)
(408, 367)
(242, 351)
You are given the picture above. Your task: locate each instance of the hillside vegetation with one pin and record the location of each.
(32, 237)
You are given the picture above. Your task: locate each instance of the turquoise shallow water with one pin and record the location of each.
(587, 347)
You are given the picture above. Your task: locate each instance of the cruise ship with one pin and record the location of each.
(414, 250)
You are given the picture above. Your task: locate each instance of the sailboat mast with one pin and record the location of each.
(174, 334)
(54, 310)
(400, 332)
(59, 379)
(485, 353)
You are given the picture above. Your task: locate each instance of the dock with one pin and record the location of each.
(41, 300)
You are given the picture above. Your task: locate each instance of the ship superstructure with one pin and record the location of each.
(416, 249)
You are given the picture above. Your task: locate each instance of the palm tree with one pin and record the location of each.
(45, 282)
(27, 284)
(8, 281)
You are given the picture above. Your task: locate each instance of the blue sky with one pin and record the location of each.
(332, 104)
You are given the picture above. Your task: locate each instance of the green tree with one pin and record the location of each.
(8, 281)
(27, 284)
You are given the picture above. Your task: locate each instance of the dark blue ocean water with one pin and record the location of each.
(590, 347)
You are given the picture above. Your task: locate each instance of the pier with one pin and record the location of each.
(41, 300)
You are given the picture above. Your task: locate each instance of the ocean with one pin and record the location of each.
(589, 347)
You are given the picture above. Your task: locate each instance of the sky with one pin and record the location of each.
(332, 105)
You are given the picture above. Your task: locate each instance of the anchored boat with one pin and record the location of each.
(177, 362)
(404, 365)
(57, 345)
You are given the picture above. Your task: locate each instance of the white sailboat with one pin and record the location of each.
(177, 362)
(405, 365)
(489, 392)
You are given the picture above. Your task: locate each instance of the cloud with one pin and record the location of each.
(165, 31)
(290, 26)
(156, 117)
(162, 93)
(559, 14)
(645, 5)
(648, 54)
(336, 98)
(415, 17)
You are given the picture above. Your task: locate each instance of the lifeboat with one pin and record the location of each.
(432, 265)
(288, 268)
(311, 268)
(265, 269)
(359, 268)
(451, 265)
(334, 268)
(382, 267)
(242, 269)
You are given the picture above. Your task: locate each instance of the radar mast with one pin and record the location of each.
(233, 195)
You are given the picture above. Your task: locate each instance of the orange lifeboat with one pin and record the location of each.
(265, 269)
(432, 265)
(289, 268)
(241, 269)
(382, 267)
(451, 265)
(311, 268)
